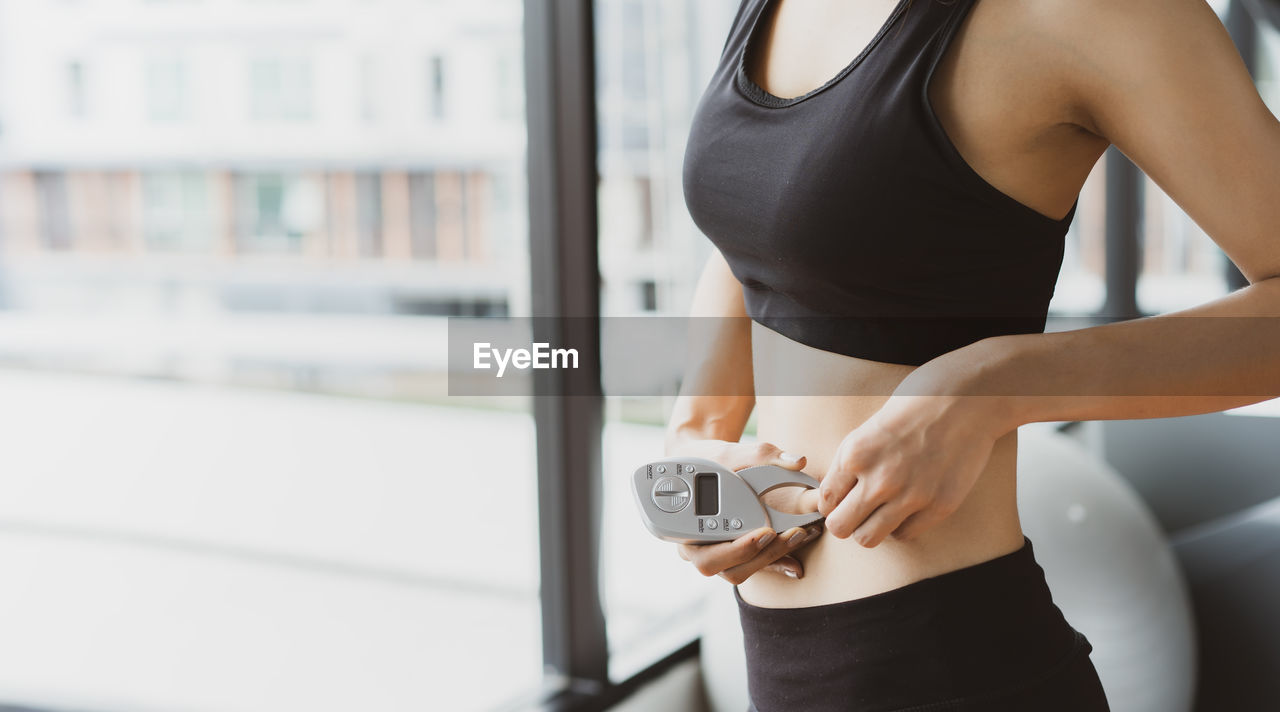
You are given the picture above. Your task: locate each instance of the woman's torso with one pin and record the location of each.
(985, 526)
(1027, 157)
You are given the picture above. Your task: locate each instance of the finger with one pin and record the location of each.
(834, 489)
(762, 453)
(789, 541)
(858, 506)
(789, 498)
(790, 461)
(790, 565)
(882, 522)
(711, 559)
(784, 544)
(809, 500)
(787, 566)
(916, 524)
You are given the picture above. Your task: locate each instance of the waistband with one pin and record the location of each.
(974, 631)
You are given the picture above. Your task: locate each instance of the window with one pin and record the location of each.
(261, 506)
(54, 210)
(637, 43)
(1268, 69)
(644, 196)
(267, 204)
(77, 101)
(369, 214)
(436, 87)
(166, 89)
(176, 212)
(268, 455)
(276, 211)
(422, 215)
(1181, 265)
(367, 88)
(280, 89)
(648, 295)
(1081, 287)
(510, 90)
(450, 189)
(647, 238)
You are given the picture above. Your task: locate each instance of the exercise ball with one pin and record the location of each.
(1111, 571)
(1108, 565)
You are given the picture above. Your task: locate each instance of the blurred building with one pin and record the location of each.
(653, 60)
(197, 161)
(322, 155)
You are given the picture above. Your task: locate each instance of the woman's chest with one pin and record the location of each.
(796, 47)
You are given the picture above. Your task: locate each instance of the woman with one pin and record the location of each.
(889, 226)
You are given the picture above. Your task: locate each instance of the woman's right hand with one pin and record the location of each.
(735, 561)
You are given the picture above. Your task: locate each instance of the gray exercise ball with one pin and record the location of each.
(1109, 567)
(1111, 571)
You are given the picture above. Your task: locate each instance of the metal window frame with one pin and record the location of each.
(565, 300)
(565, 283)
(1243, 28)
(563, 176)
(1123, 237)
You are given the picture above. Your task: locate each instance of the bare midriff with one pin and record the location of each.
(807, 401)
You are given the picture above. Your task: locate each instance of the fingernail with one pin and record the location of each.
(798, 537)
(764, 540)
(791, 572)
(789, 457)
(811, 534)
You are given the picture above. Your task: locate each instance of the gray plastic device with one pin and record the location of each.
(694, 500)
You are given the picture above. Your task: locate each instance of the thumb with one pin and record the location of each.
(788, 460)
(808, 500)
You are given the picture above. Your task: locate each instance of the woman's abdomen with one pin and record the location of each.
(807, 401)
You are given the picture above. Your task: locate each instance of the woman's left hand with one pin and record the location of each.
(911, 464)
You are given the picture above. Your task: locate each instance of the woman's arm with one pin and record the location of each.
(717, 393)
(1219, 355)
(710, 413)
(1162, 81)
(1166, 86)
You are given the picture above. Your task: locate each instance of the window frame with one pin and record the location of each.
(559, 75)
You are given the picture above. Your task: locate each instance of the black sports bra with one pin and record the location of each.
(848, 215)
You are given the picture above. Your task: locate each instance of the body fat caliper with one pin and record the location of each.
(694, 500)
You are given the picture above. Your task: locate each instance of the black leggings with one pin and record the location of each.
(986, 638)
